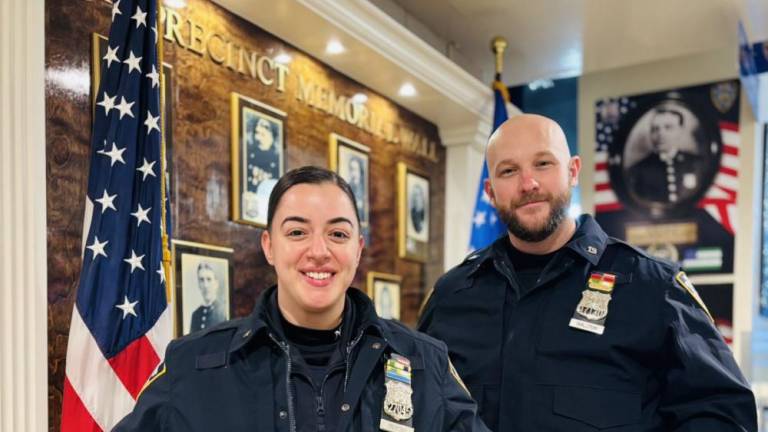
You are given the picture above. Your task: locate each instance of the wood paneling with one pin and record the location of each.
(201, 161)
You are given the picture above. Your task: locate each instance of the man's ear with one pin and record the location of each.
(574, 168)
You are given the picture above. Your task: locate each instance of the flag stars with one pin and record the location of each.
(107, 202)
(146, 169)
(124, 107)
(479, 219)
(133, 62)
(116, 154)
(134, 261)
(141, 215)
(116, 9)
(154, 77)
(161, 272)
(97, 247)
(151, 122)
(111, 56)
(140, 17)
(108, 103)
(128, 307)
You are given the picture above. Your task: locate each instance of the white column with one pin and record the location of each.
(23, 275)
(465, 149)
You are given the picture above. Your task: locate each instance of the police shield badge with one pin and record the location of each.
(397, 412)
(592, 310)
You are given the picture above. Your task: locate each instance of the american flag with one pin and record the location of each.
(486, 225)
(720, 199)
(121, 321)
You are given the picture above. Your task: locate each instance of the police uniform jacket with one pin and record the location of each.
(238, 376)
(678, 179)
(660, 364)
(207, 316)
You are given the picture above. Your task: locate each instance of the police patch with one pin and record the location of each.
(158, 373)
(682, 279)
(456, 376)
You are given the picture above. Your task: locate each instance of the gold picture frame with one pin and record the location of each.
(258, 157)
(413, 209)
(209, 269)
(385, 291)
(351, 160)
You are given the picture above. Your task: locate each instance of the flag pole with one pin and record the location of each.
(163, 191)
(498, 45)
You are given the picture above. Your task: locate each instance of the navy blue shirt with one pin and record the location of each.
(660, 364)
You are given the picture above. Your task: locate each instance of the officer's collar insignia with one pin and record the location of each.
(397, 412)
(683, 280)
(592, 310)
(591, 250)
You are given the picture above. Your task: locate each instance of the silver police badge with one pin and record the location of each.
(397, 402)
(593, 305)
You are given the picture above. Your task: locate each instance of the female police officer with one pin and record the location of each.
(313, 355)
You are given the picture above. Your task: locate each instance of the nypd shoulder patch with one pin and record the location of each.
(682, 279)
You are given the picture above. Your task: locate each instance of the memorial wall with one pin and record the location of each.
(241, 107)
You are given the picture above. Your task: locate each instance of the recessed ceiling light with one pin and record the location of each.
(334, 47)
(175, 4)
(407, 90)
(360, 98)
(283, 58)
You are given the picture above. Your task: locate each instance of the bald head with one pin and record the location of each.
(530, 176)
(532, 131)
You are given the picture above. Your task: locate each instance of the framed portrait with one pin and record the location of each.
(384, 290)
(351, 160)
(203, 279)
(258, 138)
(413, 213)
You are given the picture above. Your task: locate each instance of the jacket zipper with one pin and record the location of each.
(350, 346)
(286, 350)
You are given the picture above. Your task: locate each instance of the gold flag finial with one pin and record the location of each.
(498, 45)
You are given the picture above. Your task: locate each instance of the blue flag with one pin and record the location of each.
(486, 225)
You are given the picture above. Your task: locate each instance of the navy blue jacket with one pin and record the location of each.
(238, 376)
(660, 364)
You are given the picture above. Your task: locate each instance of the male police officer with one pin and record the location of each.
(558, 327)
(669, 173)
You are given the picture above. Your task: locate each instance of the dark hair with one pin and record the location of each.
(309, 175)
(667, 110)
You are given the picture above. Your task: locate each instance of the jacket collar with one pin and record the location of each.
(589, 242)
(258, 324)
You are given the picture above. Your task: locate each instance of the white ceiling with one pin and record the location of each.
(442, 46)
(556, 38)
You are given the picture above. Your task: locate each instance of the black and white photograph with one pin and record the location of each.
(384, 290)
(258, 137)
(413, 203)
(669, 158)
(351, 160)
(203, 278)
(667, 173)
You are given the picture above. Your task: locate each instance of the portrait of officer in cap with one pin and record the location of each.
(313, 354)
(558, 327)
(667, 159)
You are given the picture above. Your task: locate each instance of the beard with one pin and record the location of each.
(559, 207)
